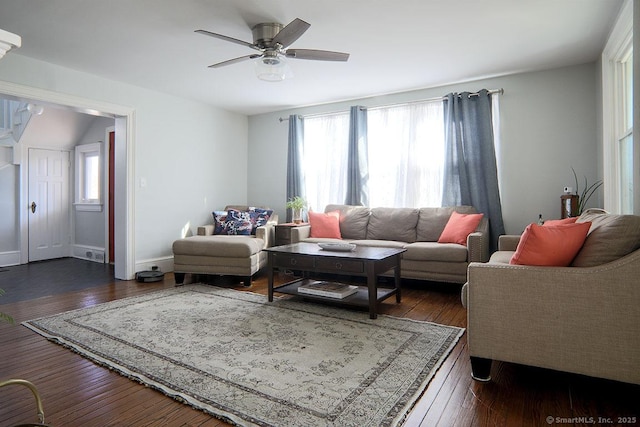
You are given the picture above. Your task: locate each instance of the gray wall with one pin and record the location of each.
(90, 227)
(9, 178)
(549, 124)
(192, 156)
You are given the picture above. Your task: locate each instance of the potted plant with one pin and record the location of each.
(296, 204)
(587, 192)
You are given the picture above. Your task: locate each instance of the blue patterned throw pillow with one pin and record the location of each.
(259, 217)
(238, 223)
(219, 219)
(234, 214)
(235, 222)
(235, 227)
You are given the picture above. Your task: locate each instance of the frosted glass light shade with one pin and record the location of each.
(272, 69)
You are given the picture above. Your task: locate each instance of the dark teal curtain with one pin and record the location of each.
(295, 172)
(358, 164)
(470, 170)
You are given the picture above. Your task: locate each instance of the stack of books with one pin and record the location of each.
(327, 289)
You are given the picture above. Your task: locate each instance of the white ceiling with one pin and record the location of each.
(394, 45)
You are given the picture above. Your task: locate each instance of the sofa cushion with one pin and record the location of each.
(563, 221)
(380, 243)
(393, 224)
(325, 224)
(433, 251)
(432, 221)
(610, 237)
(459, 227)
(353, 220)
(218, 246)
(551, 245)
(501, 257)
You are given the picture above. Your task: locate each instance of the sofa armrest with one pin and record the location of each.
(267, 232)
(299, 233)
(478, 243)
(508, 242)
(205, 230)
(582, 320)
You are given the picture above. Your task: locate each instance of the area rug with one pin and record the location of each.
(255, 363)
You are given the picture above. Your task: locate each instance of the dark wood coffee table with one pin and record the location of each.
(309, 258)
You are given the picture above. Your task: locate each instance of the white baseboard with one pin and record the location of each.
(90, 253)
(10, 258)
(164, 264)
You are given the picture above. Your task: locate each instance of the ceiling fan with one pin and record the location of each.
(272, 41)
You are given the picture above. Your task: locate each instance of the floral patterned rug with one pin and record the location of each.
(251, 362)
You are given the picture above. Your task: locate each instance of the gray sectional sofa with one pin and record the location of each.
(417, 231)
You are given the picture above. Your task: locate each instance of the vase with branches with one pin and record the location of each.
(587, 191)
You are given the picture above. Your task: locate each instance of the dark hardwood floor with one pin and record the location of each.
(76, 392)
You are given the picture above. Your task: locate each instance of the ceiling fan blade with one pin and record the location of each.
(234, 60)
(227, 38)
(319, 55)
(291, 32)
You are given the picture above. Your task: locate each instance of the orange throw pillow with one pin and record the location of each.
(325, 224)
(564, 221)
(459, 227)
(553, 245)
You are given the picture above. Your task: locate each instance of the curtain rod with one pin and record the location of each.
(438, 98)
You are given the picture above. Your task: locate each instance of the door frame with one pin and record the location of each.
(124, 262)
(109, 189)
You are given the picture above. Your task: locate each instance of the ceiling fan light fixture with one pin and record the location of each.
(35, 109)
(272, 68)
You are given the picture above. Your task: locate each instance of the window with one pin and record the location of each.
(624, 131)
(326, 141)
(88, 173)
(406, 155)
(617, 90)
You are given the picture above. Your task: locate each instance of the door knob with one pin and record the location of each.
(33, 207)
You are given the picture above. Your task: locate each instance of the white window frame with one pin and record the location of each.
(617, 50)
(81, 202)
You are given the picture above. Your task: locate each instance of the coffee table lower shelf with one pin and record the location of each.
(359, 299)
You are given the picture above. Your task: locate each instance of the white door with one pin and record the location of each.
(48, 204)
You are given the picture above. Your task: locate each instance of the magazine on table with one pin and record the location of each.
(327, 289)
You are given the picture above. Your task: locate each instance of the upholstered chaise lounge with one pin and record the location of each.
(222, 254)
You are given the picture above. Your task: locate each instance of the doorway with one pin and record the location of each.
(124, 226)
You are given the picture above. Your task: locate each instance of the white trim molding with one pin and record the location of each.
(618, 43)
(89, 253)
(164, 264)
(8, 41)
(9, 258)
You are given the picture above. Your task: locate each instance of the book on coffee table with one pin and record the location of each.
(327, 289)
